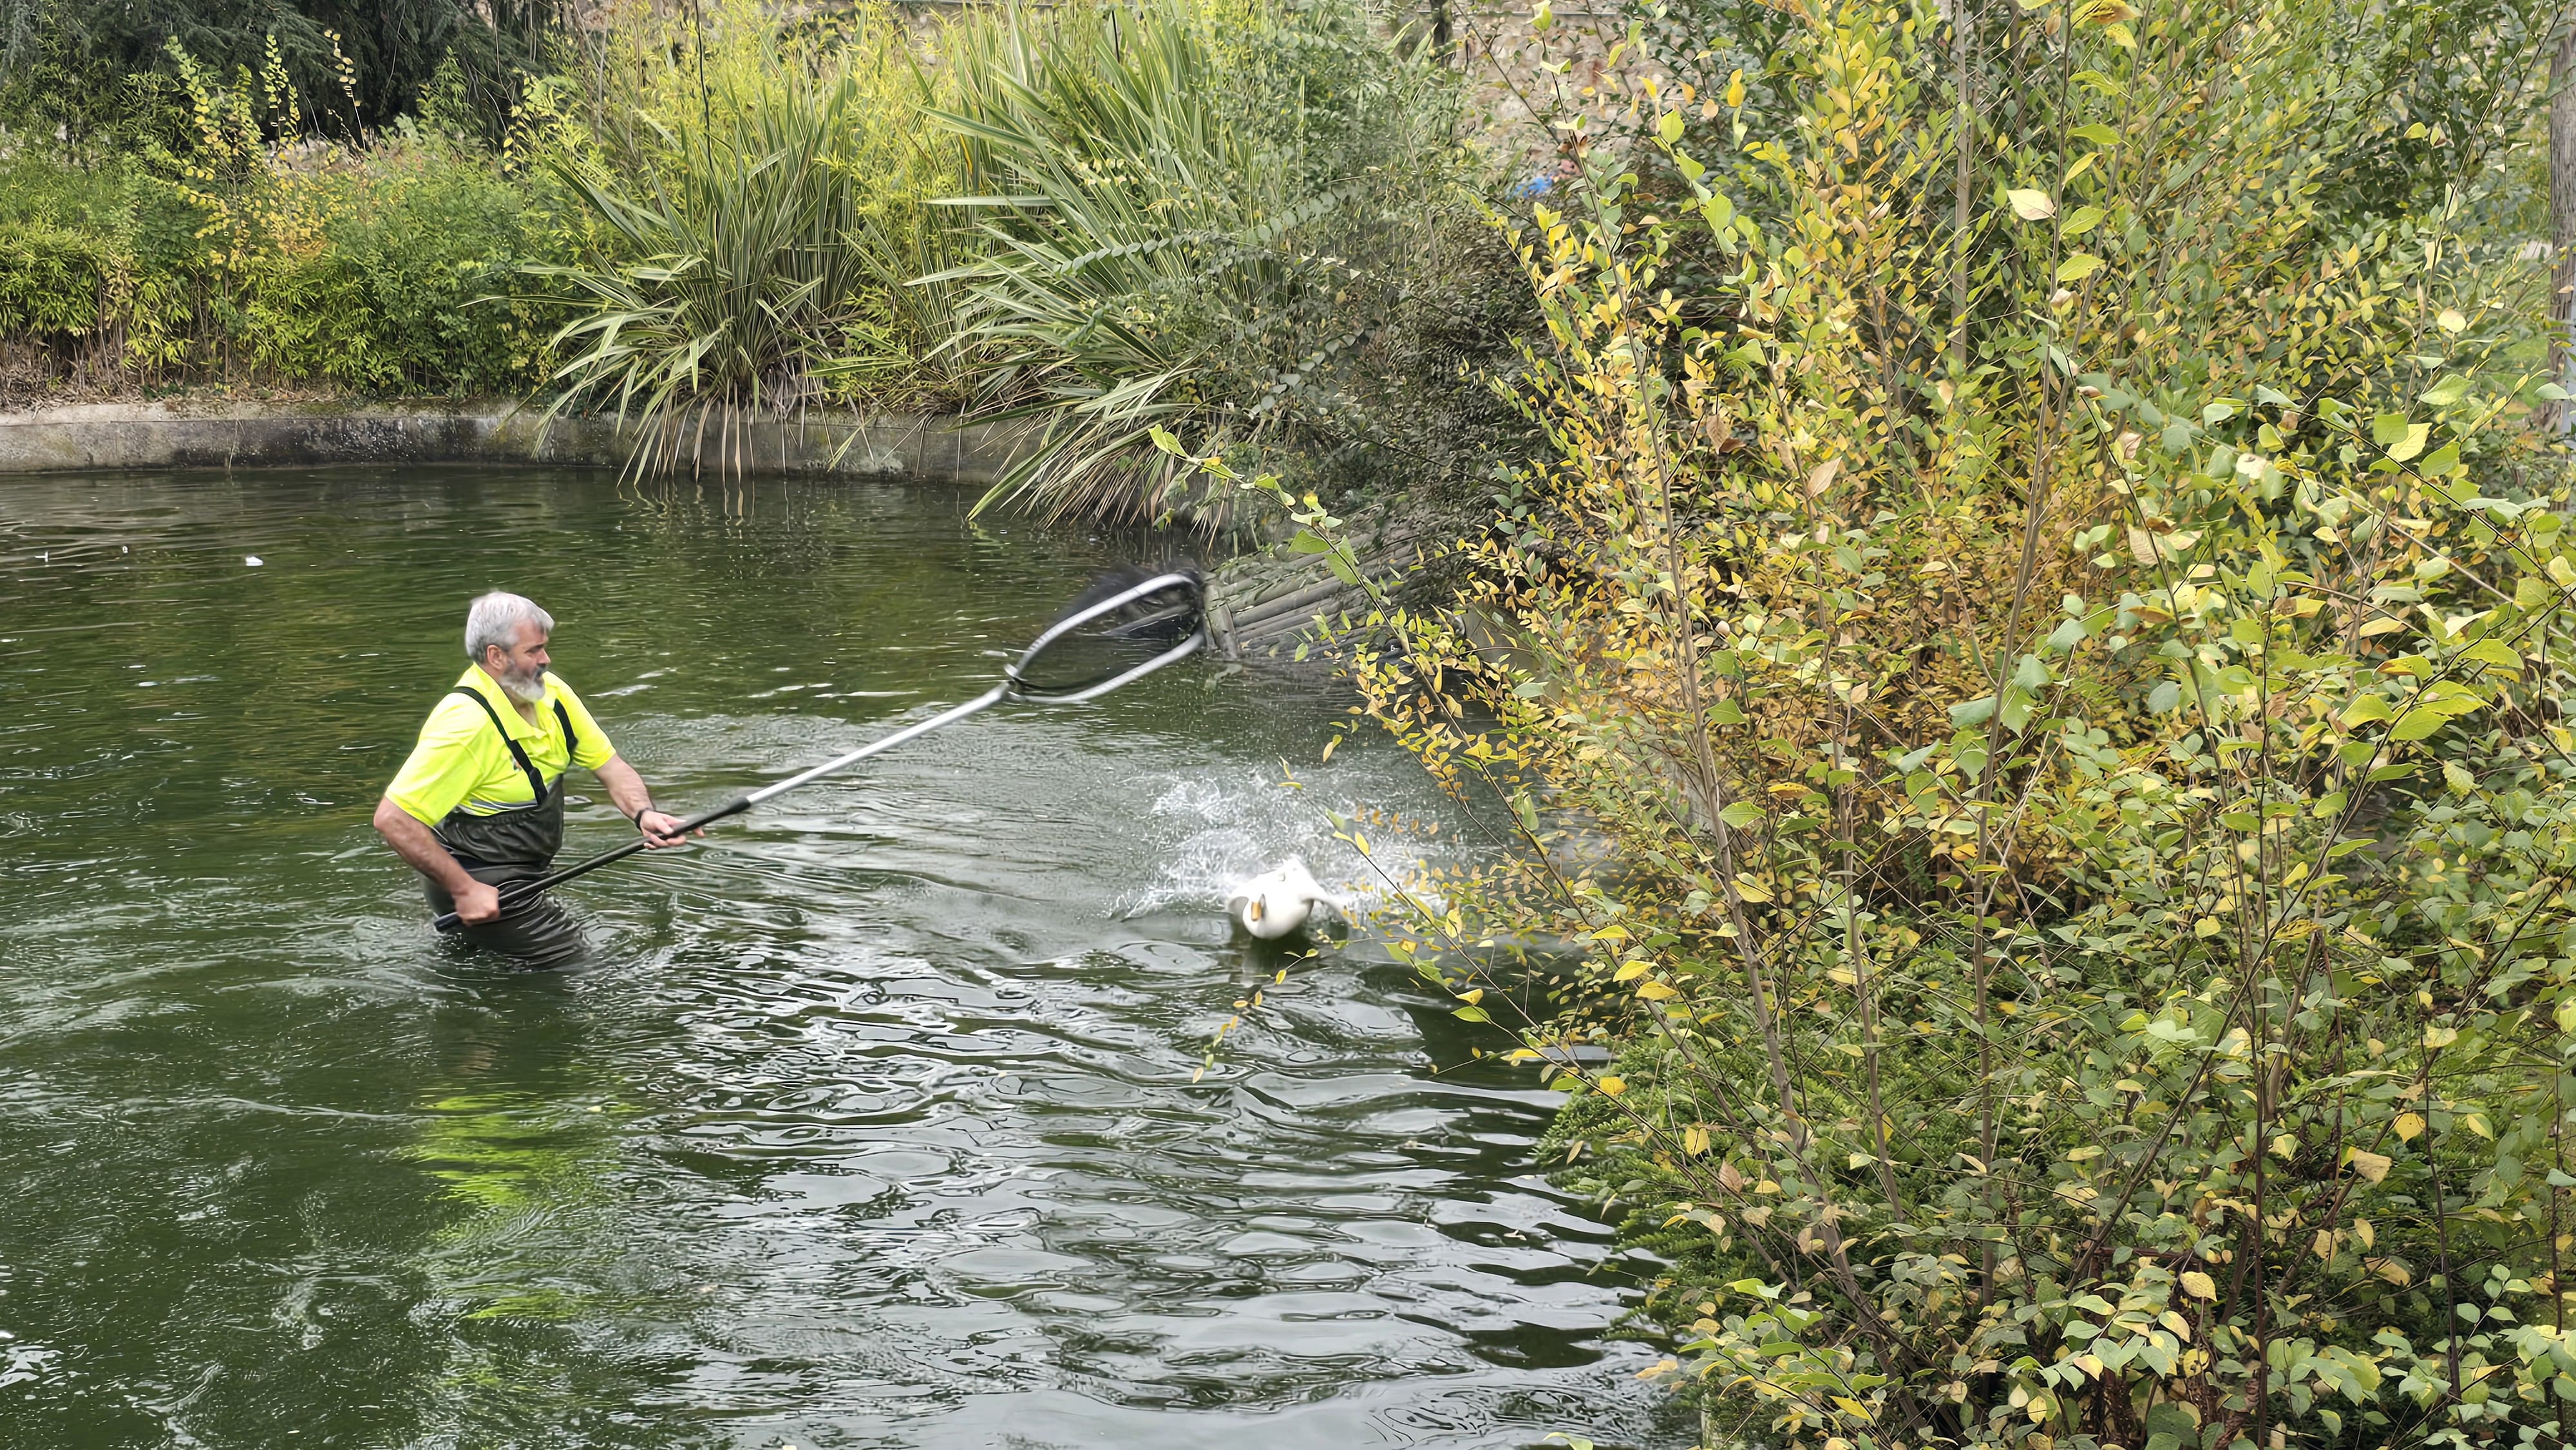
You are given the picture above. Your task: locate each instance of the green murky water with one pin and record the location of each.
(872, 1123)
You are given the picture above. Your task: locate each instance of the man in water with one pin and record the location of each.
(480, 803)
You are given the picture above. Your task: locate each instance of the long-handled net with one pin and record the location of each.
(1117, 633)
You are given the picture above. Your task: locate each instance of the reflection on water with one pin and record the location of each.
(874, 1122)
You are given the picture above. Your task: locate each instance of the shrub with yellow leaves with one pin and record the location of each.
(2036, 695)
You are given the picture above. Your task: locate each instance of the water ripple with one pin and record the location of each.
(878, 1119)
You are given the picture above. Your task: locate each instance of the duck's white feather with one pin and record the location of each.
(1277, 902)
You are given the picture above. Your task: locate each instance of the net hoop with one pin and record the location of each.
(1015, 676)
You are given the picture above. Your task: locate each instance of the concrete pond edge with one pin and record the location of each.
(89, 437)
(1264, 603)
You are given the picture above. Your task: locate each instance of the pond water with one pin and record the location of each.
(872, 1121)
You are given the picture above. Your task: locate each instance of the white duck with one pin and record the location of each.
(1279, 901)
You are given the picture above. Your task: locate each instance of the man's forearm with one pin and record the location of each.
(412, 841)
(625, 788)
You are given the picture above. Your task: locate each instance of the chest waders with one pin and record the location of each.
(511, 846)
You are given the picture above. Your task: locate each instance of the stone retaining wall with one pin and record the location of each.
(186, 435)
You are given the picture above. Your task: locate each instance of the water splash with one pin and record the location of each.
(1213, 831)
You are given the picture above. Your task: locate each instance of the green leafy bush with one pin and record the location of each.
(2037, 698)
(55, 281)
(238, 257)
(391, 295)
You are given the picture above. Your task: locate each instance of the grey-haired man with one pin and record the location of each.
(480, 803)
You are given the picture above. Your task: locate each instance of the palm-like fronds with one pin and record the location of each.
(736, 287)
(1149, 258)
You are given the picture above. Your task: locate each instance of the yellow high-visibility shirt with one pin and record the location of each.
(461, 760)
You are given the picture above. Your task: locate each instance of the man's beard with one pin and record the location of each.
(527, 688)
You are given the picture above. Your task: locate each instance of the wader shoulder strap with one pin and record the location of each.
(536, 782)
